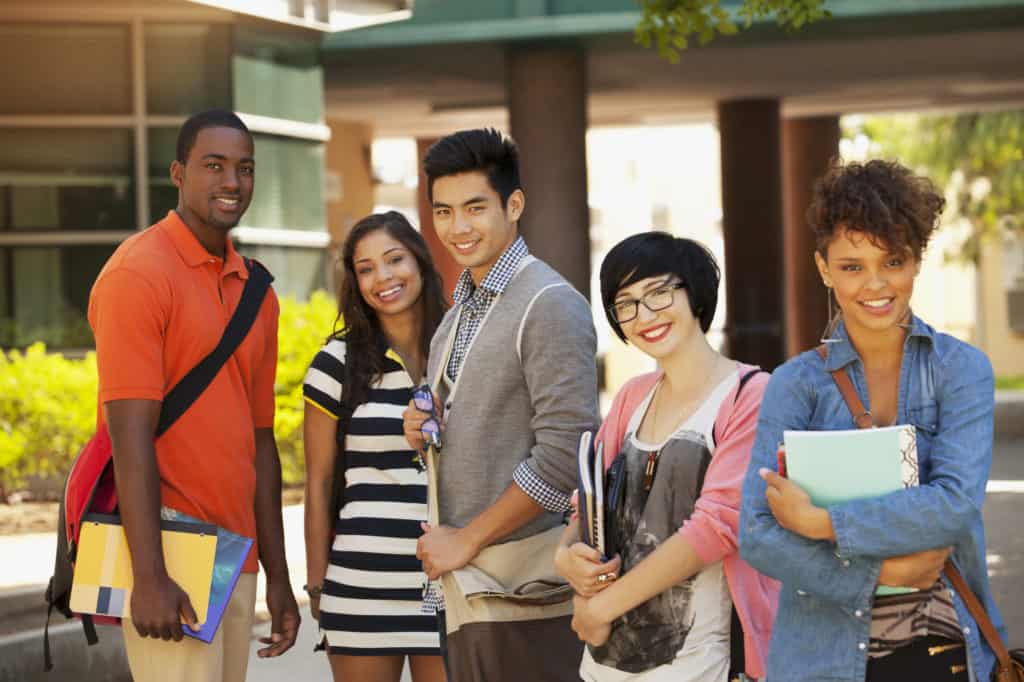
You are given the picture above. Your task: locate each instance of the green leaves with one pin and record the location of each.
(48, 410)
(977, 157)
(669, 25)
(47, 414)
(302, 330)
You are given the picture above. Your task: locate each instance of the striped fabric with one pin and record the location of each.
(898, 620)
(372, 596)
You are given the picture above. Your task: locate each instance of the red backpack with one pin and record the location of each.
(90, 485)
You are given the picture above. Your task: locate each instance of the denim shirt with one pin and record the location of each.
(946, 391)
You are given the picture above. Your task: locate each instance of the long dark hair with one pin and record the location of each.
(357, 323)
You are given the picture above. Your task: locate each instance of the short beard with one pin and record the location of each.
(212, 221)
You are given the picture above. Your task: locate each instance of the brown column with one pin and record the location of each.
(547, 104)
(808, 145)
(752, 230)
(445, 264)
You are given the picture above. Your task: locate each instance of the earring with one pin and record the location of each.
(834, 315)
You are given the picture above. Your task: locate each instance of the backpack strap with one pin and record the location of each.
(739, 389)
(862, 418)
(187, 391)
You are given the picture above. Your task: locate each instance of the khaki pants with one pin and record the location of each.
(223, 660)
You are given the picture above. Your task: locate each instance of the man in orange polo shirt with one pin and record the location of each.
(160, 304)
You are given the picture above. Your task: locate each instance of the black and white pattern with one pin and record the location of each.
(372, 597)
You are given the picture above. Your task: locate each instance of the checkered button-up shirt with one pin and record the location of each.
(476, 301)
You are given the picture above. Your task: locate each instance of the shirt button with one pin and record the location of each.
(967, 631)
(862, 646)
(846, 563)
(858, 613)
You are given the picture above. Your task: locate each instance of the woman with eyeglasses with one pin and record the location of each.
(364, 580)
(677, 603)
(872, 223)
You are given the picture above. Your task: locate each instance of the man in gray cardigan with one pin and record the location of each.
(519, 385)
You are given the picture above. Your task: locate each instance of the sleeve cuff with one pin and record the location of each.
(540, 491)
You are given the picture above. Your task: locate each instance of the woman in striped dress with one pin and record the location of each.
(365, 585)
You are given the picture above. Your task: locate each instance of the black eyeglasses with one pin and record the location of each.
(658, 299)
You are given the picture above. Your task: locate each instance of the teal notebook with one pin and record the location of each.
(840, 466)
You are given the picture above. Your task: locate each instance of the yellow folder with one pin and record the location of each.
(102, 583)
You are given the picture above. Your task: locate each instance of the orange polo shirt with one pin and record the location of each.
(158, 307)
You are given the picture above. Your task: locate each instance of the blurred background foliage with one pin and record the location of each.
(978, 158)
(670, 25)
(49, 406)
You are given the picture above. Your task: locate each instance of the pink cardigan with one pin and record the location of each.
(713, 528)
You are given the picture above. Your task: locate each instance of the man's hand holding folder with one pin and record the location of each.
(159, 607)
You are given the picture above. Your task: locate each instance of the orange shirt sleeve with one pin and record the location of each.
(266, 371)
(128, 319)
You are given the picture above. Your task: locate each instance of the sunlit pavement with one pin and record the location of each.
(30, 562)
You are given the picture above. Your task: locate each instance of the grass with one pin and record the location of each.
(1015, 383)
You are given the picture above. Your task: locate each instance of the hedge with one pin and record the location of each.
(48, 409)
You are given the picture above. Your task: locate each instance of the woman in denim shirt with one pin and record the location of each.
(872, 223)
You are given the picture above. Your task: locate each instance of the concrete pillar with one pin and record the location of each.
(547, 104)
(445, 264)
(348, 187)
(349, 191)
(752, 230)
(808, 145)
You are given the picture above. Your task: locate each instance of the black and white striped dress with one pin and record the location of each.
(373, 591)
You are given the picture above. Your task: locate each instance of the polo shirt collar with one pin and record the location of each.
(841, 351)
(193, 252)
(497, 278)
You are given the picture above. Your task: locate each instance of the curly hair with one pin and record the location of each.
(884, 200)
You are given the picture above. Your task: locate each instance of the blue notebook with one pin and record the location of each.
(232, 550)
(840, 466)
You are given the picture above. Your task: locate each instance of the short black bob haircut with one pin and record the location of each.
(211, 118)
(650, 254)
(485, 150)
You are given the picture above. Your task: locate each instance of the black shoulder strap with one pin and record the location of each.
(739, 389)
(185, 392)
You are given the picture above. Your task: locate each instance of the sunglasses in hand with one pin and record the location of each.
(423, 399)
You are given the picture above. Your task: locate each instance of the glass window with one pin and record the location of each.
(58, 69)
(297, 271)
(67, 179)
(163, 195)
(187, 68)
(289, 181)
(44, 294)
(277, 77)
(289, 185)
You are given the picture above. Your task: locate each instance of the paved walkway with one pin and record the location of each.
(28, 561)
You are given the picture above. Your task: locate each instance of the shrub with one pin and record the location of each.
(48, 409)
(302, 331)
(47, 413)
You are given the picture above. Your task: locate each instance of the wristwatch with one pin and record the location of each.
(313, 591)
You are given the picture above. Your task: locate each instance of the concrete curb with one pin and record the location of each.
(21, 656)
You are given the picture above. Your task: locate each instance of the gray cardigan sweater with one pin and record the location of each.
(527, 388)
